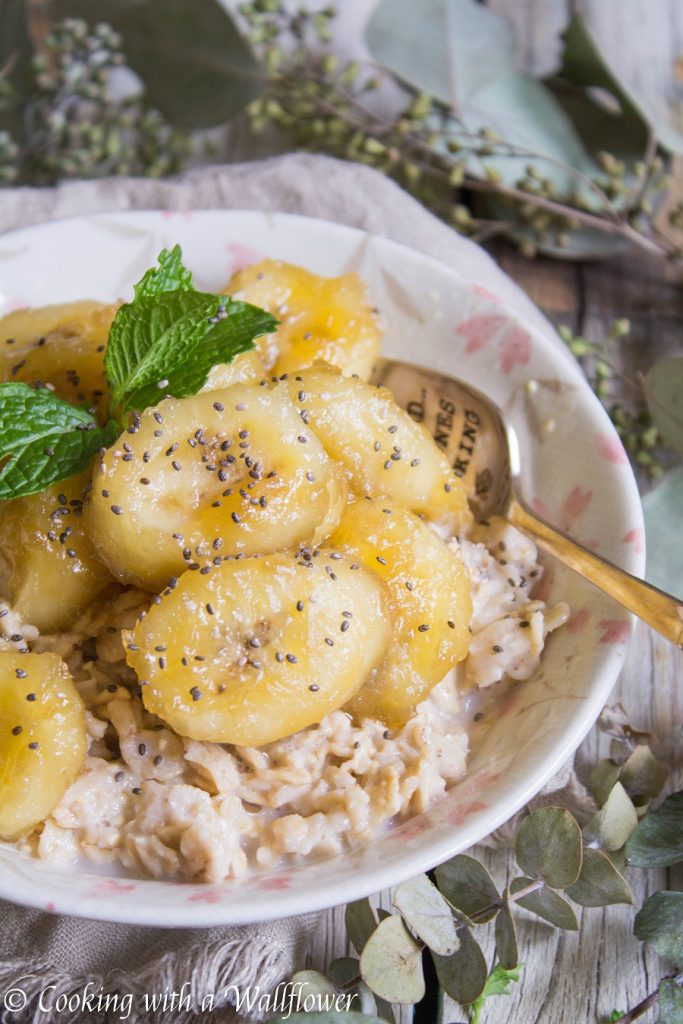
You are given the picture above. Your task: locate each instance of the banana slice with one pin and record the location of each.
(382, 449)
(246, 368)
(60, 345)
(49, 570)
(326, 318)
(260, 647)
(42, 739)
(221, 473)
(429, 598)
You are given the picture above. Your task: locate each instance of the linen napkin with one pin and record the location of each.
(78, 957)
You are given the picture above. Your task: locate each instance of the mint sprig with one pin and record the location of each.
(164, 342)
(44, 439)
(169, 276)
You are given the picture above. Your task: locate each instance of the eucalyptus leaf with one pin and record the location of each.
(326, 1017)
(663, 386)
(428, 914)
(660, 924)
(463, 974)
(548, 846)
(662, 510)
(463, 54)
(617, 128)
(197, 69)
(345, 973)
(584, 65)
(391, 963)
(313, 983)
(657, 842)
(670, 1002)
(343, 970)
(468, 886)
(603, 778)
(546, 903)
(360, 923)
(599, 883)
(643, 775)
(614, 822)
(506, 937)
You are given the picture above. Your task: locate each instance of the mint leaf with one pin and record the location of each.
(166, 344)
(43, 439)
(169, 276)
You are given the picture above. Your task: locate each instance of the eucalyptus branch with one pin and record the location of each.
(324, 106)
(649, 1002)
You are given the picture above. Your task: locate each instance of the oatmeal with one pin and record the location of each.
(238, 633)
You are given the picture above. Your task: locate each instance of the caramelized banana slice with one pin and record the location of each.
(42, 739)
(260, 647)
(246, 368)
(221, 473)
(49, 570)
(326, 318)
(382, 449)
(429, 598)
(59, 345)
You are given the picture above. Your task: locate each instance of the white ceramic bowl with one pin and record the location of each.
(575, 471)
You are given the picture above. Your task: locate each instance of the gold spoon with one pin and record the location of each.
(484, 450)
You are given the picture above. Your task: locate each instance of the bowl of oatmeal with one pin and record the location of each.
(288, 667)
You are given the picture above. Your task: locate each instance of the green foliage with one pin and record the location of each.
(660, 924)
(506, 936)
(584, 66)
(548, 846)
(170, 275)
(326, 1017)
(197, 69)
(345, 975)
(642, 775)
(497, 984)
(614, 822)
(467, 885)
(360, 923)
(165, 342)
(471, 123)
(43, 439)
(663, 389)
(662, 508)
(162, 343)
(657, 842)
(633, 422)
(391, 962)
(599, 884)
(427, 914)
(671, 1001)
(463, 974)
(463, 55)
(75, 124)
(545, 903)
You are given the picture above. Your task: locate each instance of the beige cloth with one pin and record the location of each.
(38, 949)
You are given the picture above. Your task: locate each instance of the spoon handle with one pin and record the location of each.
(661, 611)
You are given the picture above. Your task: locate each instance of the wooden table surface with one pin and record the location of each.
(580, 977)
